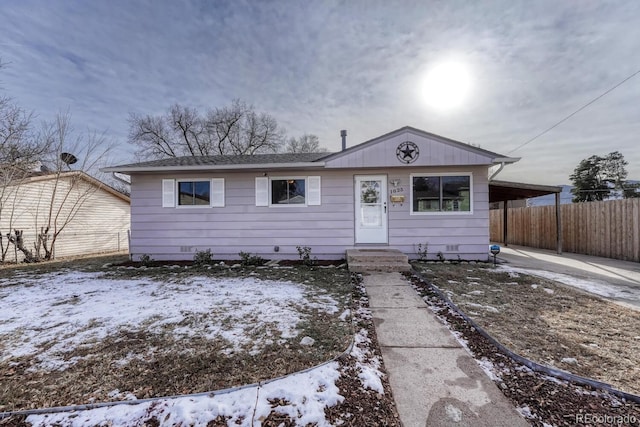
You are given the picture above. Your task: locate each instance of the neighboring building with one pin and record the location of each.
(402, 189)
(94, 217)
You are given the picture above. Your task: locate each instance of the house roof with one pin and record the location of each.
(225, 162)
(292, 160)
(44, 176)
(501, 191)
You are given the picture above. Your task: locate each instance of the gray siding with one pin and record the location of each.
(176, 233)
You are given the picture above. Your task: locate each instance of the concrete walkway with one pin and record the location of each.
(616, 280)
(435, 382)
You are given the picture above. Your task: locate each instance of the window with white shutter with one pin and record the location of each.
(217, 192)
(168, 193)
(313, 191)
(262, 191)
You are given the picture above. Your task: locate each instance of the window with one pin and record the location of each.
(288, 191)
(194, 193)
(440, 193)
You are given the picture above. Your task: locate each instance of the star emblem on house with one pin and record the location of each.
(407, 152)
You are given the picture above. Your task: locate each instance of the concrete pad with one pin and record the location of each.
(394, 297)
(410, 327)
(384, 279)
(616, 280)
(438, 387)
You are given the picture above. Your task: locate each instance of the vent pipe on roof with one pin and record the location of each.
(343, 134)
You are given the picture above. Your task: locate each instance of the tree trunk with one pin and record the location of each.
(18, 241)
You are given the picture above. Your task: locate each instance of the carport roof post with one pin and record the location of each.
(503, 191)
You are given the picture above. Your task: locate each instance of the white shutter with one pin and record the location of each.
(217, 192)
(313, 190)
(262, 191)
(168, 193)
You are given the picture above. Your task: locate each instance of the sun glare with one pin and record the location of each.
(446, 85)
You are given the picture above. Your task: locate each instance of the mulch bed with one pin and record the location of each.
(363, 406)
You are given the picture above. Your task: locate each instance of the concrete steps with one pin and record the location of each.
(371, 260)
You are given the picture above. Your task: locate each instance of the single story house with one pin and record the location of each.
(91, 217)
(399, 190)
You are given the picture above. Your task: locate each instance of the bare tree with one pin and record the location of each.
(70, 190)
(21, 149)
(183, 131)
(54, 200)
(307, 143)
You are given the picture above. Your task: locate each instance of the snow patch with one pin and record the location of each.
(489, 369)
(480, 306)
(48, 316)
(305, 397)
(597, 287)
(367, 363)
(454, 414)
(307, 341)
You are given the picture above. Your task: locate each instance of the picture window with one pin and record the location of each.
(435, 193)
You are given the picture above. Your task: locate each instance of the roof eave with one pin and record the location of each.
(497, 160)
(190, 168)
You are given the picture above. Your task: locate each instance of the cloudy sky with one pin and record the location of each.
(322, 66)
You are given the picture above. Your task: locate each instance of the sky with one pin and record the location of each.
(319, 67)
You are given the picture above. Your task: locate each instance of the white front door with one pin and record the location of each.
(371, 208)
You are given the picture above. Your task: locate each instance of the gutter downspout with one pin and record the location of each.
(117, 178)
(504, 207)
(493, 175)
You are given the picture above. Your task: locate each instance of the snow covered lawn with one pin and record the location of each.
(78, 337)
(248, 320)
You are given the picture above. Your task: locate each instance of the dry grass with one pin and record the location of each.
(547, 322)
(145, 364)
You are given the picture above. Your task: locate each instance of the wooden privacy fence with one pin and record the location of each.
(608, 229)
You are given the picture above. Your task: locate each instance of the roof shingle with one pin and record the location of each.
(256, 159)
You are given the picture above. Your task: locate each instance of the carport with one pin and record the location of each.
(503, 191)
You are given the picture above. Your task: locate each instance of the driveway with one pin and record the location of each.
(616, 280)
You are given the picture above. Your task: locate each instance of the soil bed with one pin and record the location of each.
(551, 324)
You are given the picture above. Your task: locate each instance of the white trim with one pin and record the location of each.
(262, 191)
(168, 193)
(313, 191)
(440, 213)
(217, 193)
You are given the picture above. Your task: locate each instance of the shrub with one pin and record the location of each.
(146, 260)
(304, 252)
(246, 259)
(201, 258)
(423, 251)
